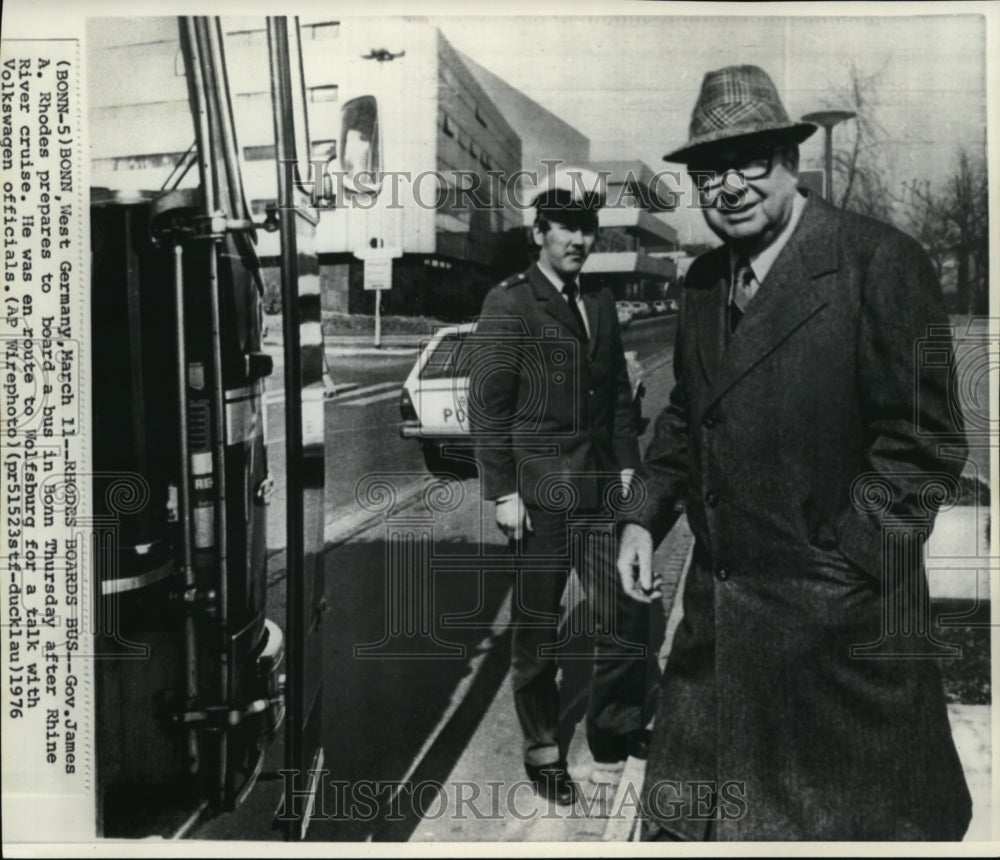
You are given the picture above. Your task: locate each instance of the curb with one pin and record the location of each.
(658, 362)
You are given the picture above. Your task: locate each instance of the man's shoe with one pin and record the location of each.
(634, 744)
(552, 781)
(638, 743)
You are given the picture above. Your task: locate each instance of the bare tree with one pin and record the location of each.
(861, 167)
(950, 220)
(968, 210)
(925, 214)
(953, 226)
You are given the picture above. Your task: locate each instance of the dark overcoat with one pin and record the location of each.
(810, 450)
(551, 409)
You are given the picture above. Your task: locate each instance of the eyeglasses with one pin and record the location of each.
(731, 177)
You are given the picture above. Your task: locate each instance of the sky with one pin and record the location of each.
(629, 82)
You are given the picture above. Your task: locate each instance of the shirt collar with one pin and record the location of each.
(762, 262)
(553, 278)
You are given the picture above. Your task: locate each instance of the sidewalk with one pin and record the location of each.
(489, 777)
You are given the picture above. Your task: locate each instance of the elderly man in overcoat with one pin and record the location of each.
(551, 404)
(809, 435)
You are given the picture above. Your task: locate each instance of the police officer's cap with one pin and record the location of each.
(566, 190)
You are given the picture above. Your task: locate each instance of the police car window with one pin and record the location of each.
(441, 363)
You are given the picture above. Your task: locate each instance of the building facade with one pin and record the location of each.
(442, 149)
(443, 140)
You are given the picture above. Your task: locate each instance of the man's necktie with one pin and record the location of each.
(569, 290)
(742, 291)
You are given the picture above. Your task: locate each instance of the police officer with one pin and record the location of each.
(551, 404)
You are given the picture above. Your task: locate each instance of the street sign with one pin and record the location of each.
(378, 274)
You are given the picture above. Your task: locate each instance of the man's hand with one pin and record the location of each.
(512, 516)
(635, 564)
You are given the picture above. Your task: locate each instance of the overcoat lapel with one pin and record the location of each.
(709, 306)
(793, 291)
(552, 302)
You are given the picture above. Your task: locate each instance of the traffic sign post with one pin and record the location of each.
(378, 274)
(378, 277)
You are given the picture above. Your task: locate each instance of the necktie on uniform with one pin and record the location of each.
(570, 290)
(742, 291)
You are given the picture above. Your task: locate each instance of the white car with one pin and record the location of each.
(434, 401)
(435, 396)
(640, 309)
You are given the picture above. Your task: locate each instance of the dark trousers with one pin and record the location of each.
(618, 624)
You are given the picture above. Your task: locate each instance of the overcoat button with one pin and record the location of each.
(711, 499)
(722, 574)
(708, 421)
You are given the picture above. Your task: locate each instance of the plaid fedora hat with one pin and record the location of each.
(738, 101)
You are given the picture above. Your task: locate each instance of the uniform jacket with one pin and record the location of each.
(552, 412)
(805, 446)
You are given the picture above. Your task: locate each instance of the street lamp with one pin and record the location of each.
(828, 119)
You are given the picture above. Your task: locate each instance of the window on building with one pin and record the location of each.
(246, 38)
(479, 117)
(447, 126)
(148, 161)
(321, 30)
(259, 153)
(326, 93)
(323, 149)
(253, 101)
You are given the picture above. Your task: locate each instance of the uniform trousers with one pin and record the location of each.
(617, 624)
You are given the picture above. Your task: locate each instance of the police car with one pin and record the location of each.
(435, 396)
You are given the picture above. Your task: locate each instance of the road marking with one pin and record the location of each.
(655, 363)
(377, 386)
(339, 392)
(375, 398)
